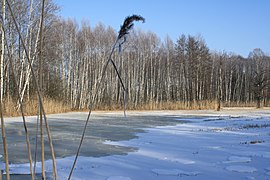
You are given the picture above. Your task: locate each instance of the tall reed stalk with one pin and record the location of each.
(37, 89)
(40, 86)
(121, 39)
(4, 140)
(1, 92)
(21, 107)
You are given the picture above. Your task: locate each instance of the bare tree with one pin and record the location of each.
(219, 85)
(259, 74)
(3, 18)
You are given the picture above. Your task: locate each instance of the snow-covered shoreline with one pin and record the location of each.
(211, 146)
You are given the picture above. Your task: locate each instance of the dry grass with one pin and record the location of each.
(180, 105)
(54, 106)
(238, 104)
(31, 107)
(162, 106)
(249, 104)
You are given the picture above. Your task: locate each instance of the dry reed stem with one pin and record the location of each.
(37, 89)
(125, 28)
(3, 130)
(21, 109)
(4, 140)
(40, 86)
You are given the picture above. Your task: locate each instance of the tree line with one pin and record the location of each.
(155, 72)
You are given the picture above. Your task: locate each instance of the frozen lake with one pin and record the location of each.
(67, 128)
(231, 144)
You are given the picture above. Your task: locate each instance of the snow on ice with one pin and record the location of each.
(222, 146)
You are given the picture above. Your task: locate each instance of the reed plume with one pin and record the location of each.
(128, 25)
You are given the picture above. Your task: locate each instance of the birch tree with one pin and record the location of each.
(3, 18)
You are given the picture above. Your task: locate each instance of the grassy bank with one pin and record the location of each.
(30, 107)
(55, 106)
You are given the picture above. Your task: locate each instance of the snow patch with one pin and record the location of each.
(257, 153)
(238, 159)
(171, 152)
(22, 169)
(215, 147)
(173, 172)
(266, 155)
(241, 169)
(118, 178)
(165, 157)
(250, 178)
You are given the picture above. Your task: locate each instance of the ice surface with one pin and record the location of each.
(119, 178)
(173, 172)
(238, 159)
(242, 169)
(250, 178)
(208, 146)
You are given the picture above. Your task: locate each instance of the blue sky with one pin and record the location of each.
(236, 26)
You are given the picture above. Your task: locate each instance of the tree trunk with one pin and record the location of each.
(2, 51)
(218, 101)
